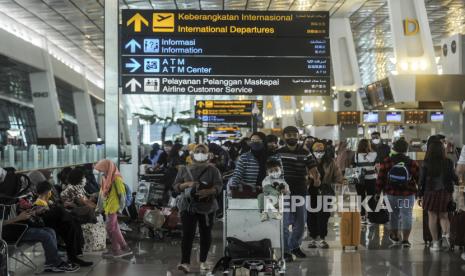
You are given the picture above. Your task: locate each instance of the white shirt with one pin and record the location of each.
(462, 157)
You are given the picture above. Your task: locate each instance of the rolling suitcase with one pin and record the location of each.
(350, 229)
(457, 229)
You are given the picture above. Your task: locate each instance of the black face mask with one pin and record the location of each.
(257, 146)
(291, 141)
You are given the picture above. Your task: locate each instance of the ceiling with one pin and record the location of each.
(76, 27)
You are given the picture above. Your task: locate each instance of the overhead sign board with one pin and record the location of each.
(226, 113)
(225, 53)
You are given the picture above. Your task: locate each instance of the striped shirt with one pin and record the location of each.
(367, 161)
(295, 164)
(247, 170)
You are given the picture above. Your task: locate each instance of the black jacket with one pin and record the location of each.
(449, 178)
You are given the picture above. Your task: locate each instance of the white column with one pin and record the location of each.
(111, 81)
(343, 56)
(85, 115)
(413, 45)
(45, 99)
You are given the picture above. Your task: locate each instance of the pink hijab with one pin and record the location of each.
(110, 171)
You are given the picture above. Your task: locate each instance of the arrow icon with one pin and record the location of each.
(138, 20)
(133, 45)
(134, 65)
(134, 84)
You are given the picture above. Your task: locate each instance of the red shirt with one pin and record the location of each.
(382, 183)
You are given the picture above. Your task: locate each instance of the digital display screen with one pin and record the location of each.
(393, 117)
(370, 117)
(437, 116)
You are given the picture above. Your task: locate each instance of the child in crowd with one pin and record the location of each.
(273, 186)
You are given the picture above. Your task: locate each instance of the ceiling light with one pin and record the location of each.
(423, 65)
(414, 66)
(393, 60)
(394, 72)
(404, 66)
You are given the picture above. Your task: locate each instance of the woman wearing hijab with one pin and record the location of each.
(112, 200)
(199, 185)
(251, 166)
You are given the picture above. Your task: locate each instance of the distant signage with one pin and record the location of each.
(226, 113)
(225, 53)
(411, 27)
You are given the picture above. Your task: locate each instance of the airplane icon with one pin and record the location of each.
(163, 22)
(162, 18)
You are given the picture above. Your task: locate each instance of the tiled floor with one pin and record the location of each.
(374, 257)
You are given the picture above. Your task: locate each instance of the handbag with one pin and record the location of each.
(451, 206)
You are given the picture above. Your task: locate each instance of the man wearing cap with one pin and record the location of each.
(296, 161)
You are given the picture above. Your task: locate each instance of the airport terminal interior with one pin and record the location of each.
(208, 137)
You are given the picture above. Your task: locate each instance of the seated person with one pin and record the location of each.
(64, 224)
(274, 186)
(75, 197)
(44, 235)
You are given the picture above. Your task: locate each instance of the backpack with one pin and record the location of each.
(128, 195)
(399, 175)
(14, 185)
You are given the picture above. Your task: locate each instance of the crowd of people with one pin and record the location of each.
(291, 165)
(309, 167)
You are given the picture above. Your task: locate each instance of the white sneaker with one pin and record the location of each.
(264, 216)
(277, 215)
(435, 246)
(445, 242)
(184, 268)
(205, 267)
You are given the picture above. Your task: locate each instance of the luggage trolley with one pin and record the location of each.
(242, 221)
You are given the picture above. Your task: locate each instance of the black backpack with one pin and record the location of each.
(399, 175)
(14, 184)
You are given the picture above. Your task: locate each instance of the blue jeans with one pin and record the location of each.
(46, 236)
(401, 215)
(293, 240)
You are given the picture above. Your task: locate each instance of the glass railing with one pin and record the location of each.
(41, 157)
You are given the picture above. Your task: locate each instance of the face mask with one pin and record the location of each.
(200, 157)
(319, 155)
(376, 141)
(180, 153)
(275, 174)
(256, 146)
(291, 141)
(424, 147)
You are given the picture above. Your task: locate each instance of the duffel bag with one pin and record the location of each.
(238, 249)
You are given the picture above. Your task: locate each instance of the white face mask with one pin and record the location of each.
(376, 141)
(319, 155)
(275, 174)
(180, 153)
(201, 157)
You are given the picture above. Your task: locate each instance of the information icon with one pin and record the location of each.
(151, 85)
(152, 65)
(152, 45)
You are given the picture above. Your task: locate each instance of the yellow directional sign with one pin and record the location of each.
(269, 105)
(209, 104)
(138, 20)
(200, 104)
(163, 22)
